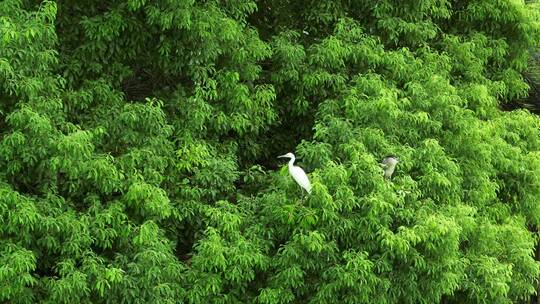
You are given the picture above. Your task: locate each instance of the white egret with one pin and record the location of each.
(297, 173)
(389, 165)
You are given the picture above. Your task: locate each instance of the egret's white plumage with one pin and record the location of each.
(297, 173)
(389, 165)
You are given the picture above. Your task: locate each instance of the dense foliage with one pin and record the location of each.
(139, 141)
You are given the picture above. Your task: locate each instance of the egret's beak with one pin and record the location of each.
(282, 156)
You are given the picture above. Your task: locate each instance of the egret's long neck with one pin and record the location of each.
(291, 162)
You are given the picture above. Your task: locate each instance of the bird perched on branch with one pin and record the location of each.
(389, 165)
(297, 173)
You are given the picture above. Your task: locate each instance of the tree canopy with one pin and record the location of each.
(139, 140)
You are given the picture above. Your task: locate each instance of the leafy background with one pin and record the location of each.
(138, 145)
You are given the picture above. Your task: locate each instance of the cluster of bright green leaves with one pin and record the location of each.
(467, 172)
(138, 144)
